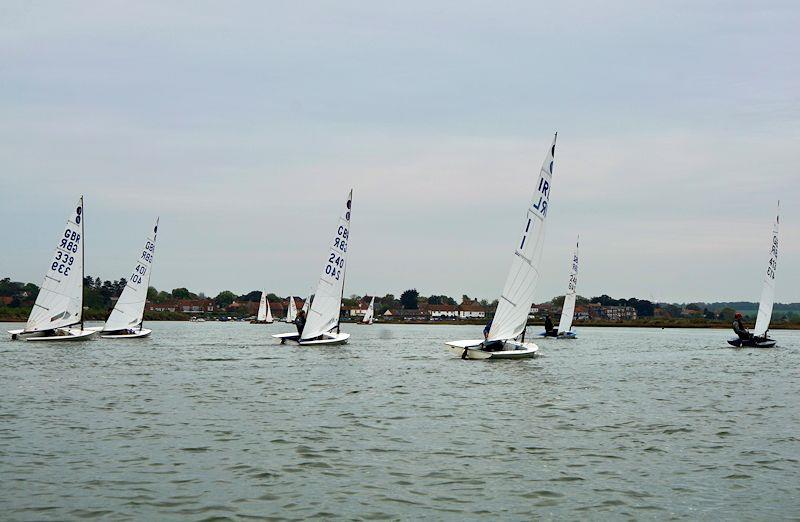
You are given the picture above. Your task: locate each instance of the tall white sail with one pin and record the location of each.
(291, 315)
(60, 299)
(268, 318)
(306, 304)
(568, 309)
(262, 308)
(515, 301)
(370, 314)
(768, 290)
(129, 310)
(323, 315)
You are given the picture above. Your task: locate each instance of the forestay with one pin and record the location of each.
(568, 309)
(323, 314)
(262, 308)
(768, 290)
(60, 299)
(370, 313)
(515, 302)
(129, 310)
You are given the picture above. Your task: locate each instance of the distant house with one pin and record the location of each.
(6, 300)
(441, 311)
(183, 305)
(360, 309)
(248, 307)
(581, 313)
(471, 311)
(618, 313)
(405, 315)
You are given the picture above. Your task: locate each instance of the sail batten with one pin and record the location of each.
(62, 286)
(568, 308)
(128, 312)
(767, 300)
(514, 306)
(327, 303)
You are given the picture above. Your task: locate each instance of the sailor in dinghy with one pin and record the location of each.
(564, 330)
(322, 323)
(506, 336)
(57, 314)
(759, 338)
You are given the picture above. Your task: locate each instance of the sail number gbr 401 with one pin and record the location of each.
(141, 268)
(336, 260)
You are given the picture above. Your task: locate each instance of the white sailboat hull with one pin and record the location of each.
(62, 335)
(329, 338)
(474, 349)
(144, 332)
(559, 335)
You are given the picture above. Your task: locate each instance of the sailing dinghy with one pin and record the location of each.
(506, 337)
(127, 318)
(264, 315)
(564, 330)
(57, 313)
(369, 315)
(291, 313)
(760, 337)
(322, 321)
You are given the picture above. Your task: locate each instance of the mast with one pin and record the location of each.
(83, 256)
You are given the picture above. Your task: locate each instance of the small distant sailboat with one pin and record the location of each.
(506, 337)
(127, 318)
(291, 313)
(369, 316)
(59, 305)
(307, 305)
(264, 315)
(322, 321)
(564, 330)
(761, 331)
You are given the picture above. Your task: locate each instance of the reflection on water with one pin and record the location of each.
(217, 420)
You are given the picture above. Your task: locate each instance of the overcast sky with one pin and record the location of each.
(244, 124)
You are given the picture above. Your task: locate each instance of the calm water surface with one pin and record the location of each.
(215, 420)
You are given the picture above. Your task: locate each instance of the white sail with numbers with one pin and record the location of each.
(768, 290)
(262, 308)
(291, 314)
(323, 314)
(60, 299)
(515, 301)
(128, 313)
(370, 314)
(568, 309)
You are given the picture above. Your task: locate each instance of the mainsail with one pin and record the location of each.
(515, 302)
(568, 309)
(129, 310)
(291, 315)
(370, 314)
(262, 308)
(768, 290)
(323, 315)
(60, 299)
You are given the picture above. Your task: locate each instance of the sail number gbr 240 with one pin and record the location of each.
(336, 259)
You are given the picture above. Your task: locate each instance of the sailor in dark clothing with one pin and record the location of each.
(548, 326)
(300, 322)
(486, 330)
(741, 331)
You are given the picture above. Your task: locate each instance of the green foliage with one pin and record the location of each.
(254, 296)
(183, 293)
(441, 299)
(410, 299)
(223, 299)
(727, 314)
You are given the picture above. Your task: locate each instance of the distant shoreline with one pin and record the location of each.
(598, 324)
